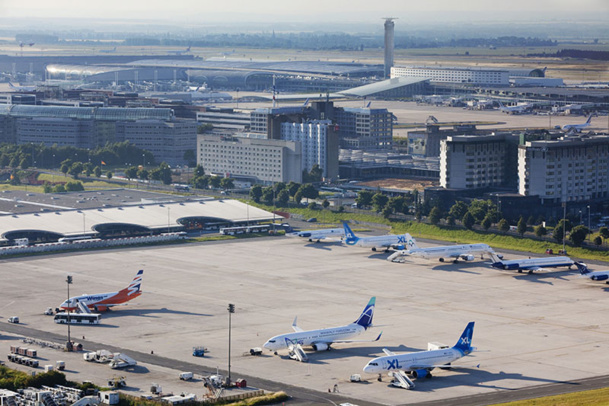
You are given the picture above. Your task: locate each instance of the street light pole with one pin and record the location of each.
(231, 310)
(69, 343)
(564, 222)
(589, 231)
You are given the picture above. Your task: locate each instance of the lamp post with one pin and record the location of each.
(168, 211)
(564, 221)
(69, 343)
(84, 227)
(589, 231)
(231, 310)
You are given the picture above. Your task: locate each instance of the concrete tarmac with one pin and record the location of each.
(531, 330)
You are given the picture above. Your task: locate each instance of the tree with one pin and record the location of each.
(397, 204)
(312, 206)
(540, 231)
(531, 220)
(604, 232)
(59, 188)
(487, 222)
(165, 173)
(283, 197)
(468, 221)
(279, 186)
(47, 188)
(76, 169)
(387, 212)
(435, 215)
(199, 171)
(74, 186)
(200, 182)
(325, 204)
(131, 172)
(109, 175)
(298, 197)
(450, 220)
(578, 235)
(143, 174)
(309, 191)
(97, 171)
(379, 201)
(256, 193)
(521, 226)
(293, 188)
(364, 198)
(214, 181)
(598, 240)
(88, 168)
(268, 195)
(503, 226)
(558, 230)
(227, 183)
(458, 210)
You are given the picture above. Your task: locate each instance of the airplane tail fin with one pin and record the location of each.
(589, 119)
(465, 341)
(136, 285)
(349, 236)
(365, 319)
(11, 85)
(582, 268)
(412, 243)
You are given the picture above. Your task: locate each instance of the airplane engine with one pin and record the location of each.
(399, 247)
(305, 235)
(320, 347)
(441, 259)
(600, 277)
(420, 374)
(468, 257)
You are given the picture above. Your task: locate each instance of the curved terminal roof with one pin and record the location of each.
(153, 217)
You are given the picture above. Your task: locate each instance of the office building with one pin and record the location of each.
(364, 128)
(569, 169)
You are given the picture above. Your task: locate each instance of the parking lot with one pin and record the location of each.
(530, 329)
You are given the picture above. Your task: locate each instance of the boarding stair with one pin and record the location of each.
(402, 380)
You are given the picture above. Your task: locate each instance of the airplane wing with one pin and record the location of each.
(295, 327)
(390, 353)
(359, 341)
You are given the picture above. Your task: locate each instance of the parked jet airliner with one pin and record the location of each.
(467, 252)
(321, 339)
(22, 88)
(578, 127)
(103, 301)
(319, 234)
(531, 264)
(420, 364)
(380, 241)
(522, 108)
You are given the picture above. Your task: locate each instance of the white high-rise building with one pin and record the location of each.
(569, 169)
(318, 143)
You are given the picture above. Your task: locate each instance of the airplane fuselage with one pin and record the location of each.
(533, 263)
(99, 300)
(319, 234)
(412, 361)
(310, 337)
(450, 251)
(381, 241)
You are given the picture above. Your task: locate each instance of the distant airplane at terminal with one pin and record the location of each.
(322, 339)
(319, 234)
(532, 264)
(519, 109)
(22, 88)
(185, 51)
(108, 51)
(103, 301)
(577, 127)
(397, 242)
(420, 364)
(467, 252)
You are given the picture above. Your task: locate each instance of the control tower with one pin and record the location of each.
(389, 44)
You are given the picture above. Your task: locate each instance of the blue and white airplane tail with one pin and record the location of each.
(589, 119)
(464, 345)
(411, 242)
(365, 319)
(350, 238)
(582, 268)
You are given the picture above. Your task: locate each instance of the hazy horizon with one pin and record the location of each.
(197, 12)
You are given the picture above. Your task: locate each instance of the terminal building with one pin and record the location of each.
(474, 76)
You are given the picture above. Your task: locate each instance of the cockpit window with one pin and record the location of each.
(271, 341)
(374, 364)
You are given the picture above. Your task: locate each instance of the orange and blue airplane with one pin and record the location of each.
(103, 301)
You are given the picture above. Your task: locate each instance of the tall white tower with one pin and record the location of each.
(389, 44)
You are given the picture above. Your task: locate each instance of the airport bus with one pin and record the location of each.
(77, 318)
(264, 228)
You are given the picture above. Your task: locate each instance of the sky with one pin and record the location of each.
(193, 11)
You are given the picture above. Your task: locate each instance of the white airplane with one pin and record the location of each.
(578, 127)
(320, 234)
(22, 88)
(420, 364)
(467, 252)
(381, 241)
(595, 276)
(531, 264)
(518, 109)
(322, 339)
(103, 301)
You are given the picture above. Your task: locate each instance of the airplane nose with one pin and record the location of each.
(368, 369)
(267, 345)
